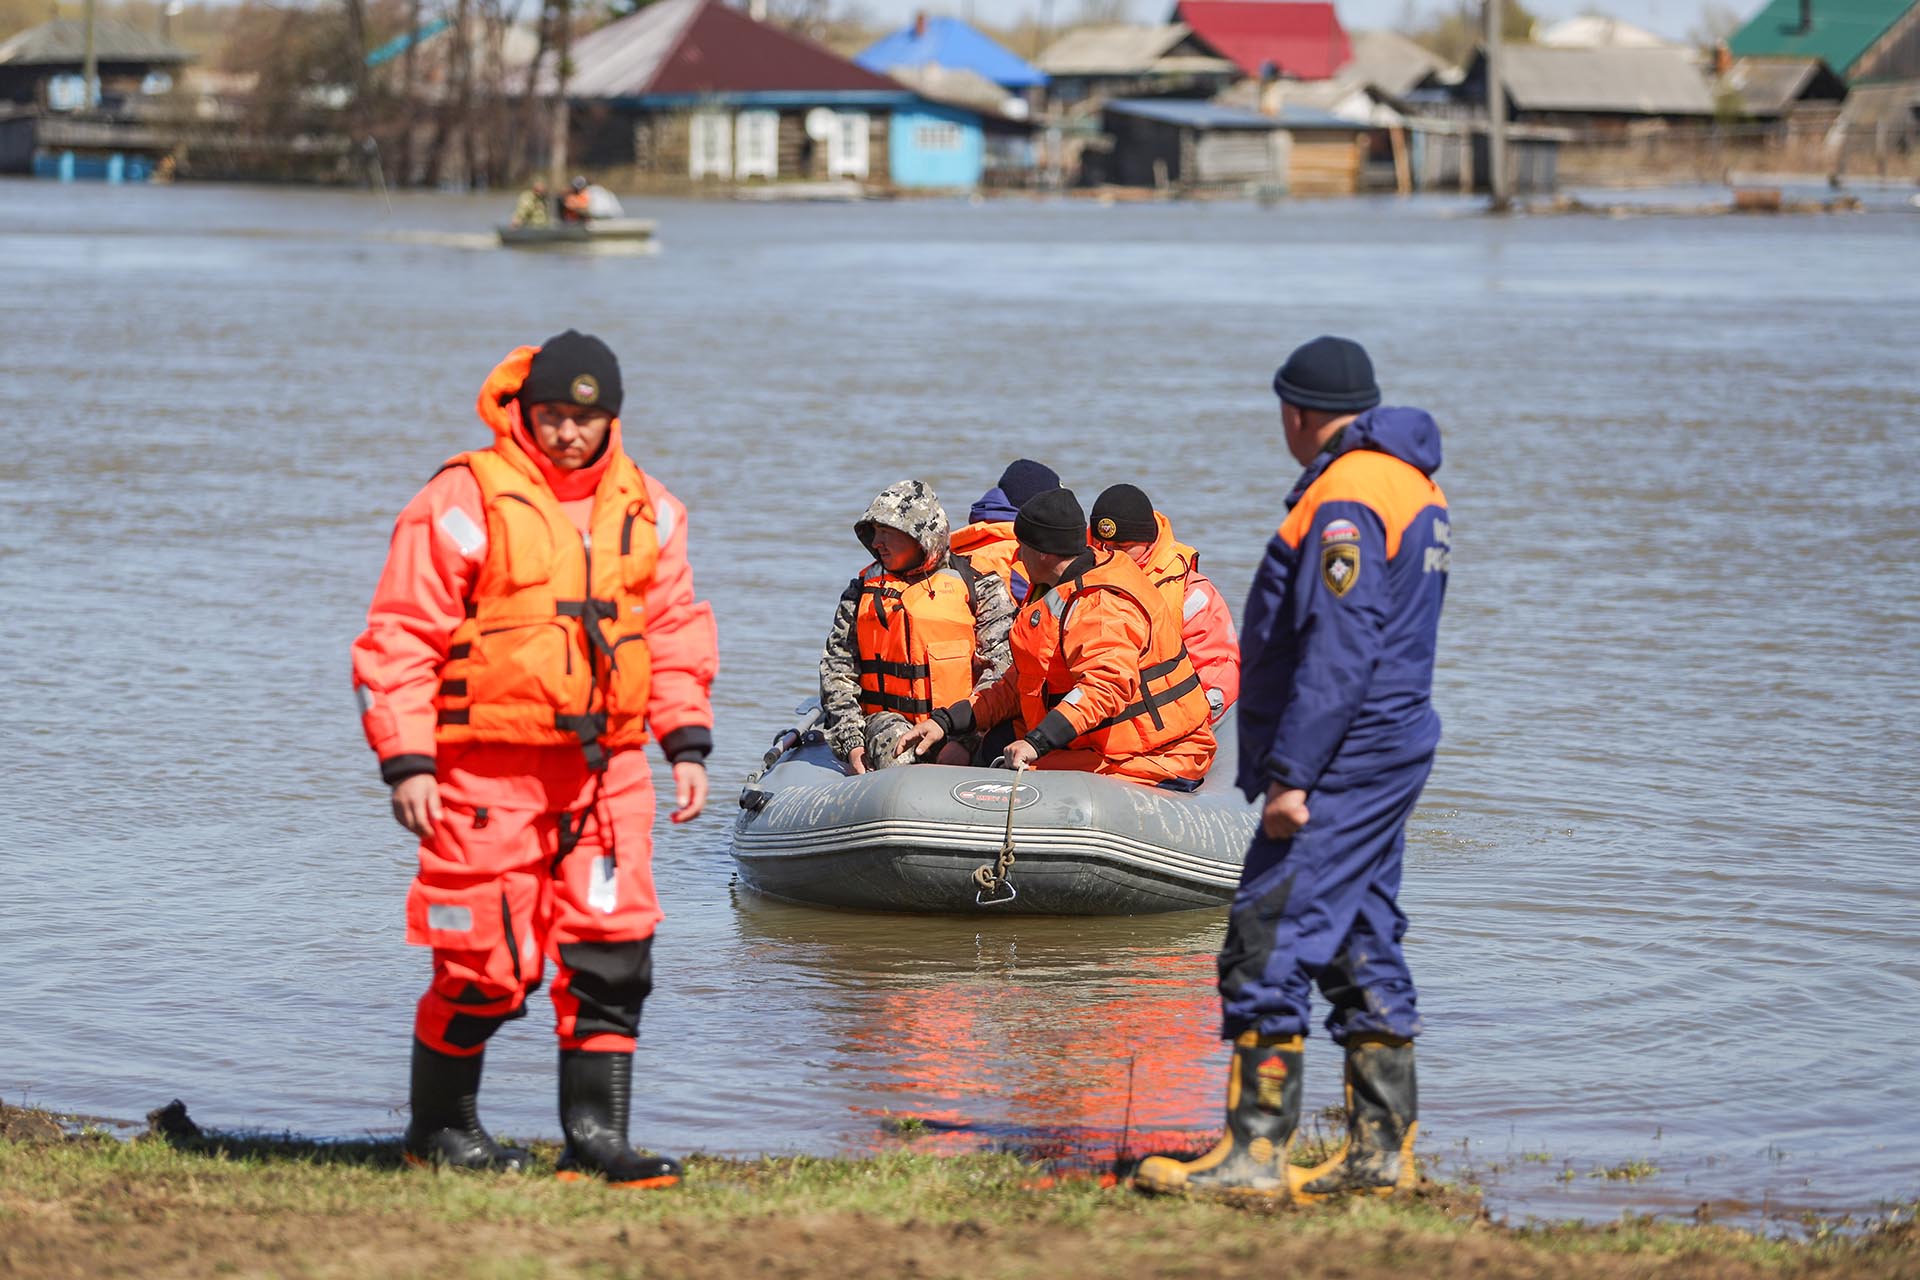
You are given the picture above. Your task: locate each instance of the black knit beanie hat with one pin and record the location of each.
(576, 368)
(1122, 513)
(1052, 522)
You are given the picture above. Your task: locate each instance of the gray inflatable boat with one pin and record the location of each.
(928, 838)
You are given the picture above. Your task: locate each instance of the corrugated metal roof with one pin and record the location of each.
(1895, 104)
(63, 43)
(1114, 50)
(1842, 30)
(698, 48)
(1655, 82)
(949, 42)
(958, 88)
(1213, 115)
(1769, 86)
(1304, 41)
(1389, 62)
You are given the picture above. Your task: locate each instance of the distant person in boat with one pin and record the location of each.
(588, 201)
(535, 206)
(918, 628)
(1337, 734)
(987, 539)
(1124, 519)
(547, 571)
(1100, 680)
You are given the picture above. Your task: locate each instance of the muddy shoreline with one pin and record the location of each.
(76, 1201)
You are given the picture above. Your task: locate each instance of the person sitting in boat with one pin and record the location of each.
(535, 206)
(1124, 519)
(574, 204)
(918, 628)
(987, 540)
(1100, 678)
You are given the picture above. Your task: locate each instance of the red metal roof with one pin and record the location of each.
(724, 51)
(1305, 41)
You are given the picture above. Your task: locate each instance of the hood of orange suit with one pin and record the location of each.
(499, 407)
(1168, 551)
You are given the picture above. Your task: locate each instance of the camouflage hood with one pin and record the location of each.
(914, 509)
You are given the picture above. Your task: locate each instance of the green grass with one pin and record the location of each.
(96, 1205)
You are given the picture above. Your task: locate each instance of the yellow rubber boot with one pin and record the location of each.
(1382, 1106)
(1263, 1107)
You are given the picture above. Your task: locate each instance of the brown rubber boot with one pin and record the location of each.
(1263, 1107)
(1382, 1106)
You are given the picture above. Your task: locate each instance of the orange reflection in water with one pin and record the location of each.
(1081, 1071)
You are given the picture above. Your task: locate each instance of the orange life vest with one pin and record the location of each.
(553, 650)
(1168, 564)
(990, 546)
(1171, 704)
(916, 639)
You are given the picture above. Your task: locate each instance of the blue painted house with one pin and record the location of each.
(976, 98)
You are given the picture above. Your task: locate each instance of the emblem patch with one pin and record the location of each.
(1340, 566)
(585, 389)
(1340, 531)
(1104, 527)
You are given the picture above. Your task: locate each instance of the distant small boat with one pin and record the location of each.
(599, 231)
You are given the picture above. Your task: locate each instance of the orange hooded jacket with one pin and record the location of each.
(1099, 670)
(456, 557)
(1206, 622)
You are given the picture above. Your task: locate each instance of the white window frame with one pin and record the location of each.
(847, 145)
(710, 145)
(756, 144)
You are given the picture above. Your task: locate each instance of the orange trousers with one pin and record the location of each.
(537, 861)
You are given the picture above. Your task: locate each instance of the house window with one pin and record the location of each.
(847, 145)
(66, 93)
(711, 146)
(756, 144)
(937, 137)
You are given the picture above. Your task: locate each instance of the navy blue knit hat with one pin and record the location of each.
(1330, 374)
(1023, 478)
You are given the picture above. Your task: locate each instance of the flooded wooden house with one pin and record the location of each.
(1174, 143)
(53, 123)
(694, 92)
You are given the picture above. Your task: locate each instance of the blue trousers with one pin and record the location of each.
(1320, 907)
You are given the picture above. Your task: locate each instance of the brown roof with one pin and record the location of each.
(699, 47)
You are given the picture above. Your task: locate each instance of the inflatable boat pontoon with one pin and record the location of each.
(911, 839)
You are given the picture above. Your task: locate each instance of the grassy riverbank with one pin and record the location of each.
(91, 1205)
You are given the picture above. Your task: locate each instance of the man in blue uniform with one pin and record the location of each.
(1337, 734)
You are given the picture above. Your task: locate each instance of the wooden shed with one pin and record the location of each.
(1177, 143)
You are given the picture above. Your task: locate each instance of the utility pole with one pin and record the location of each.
(562, 65)
(1498, 185)
(89, 66)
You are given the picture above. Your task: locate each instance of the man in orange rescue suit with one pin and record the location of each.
(1124, 520)
(1100, 679)
(987, 538)
(1337, 735)
(535, 624)
(919, 628)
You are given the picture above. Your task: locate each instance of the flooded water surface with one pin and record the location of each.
(1664, 882)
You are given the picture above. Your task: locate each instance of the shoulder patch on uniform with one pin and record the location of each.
(1340, 531)
(1340, 566)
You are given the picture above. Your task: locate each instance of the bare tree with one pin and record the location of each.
(1716, 23)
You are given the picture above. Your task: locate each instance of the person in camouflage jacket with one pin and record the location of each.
(906, 531)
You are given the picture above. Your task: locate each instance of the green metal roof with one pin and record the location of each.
(1842, 30)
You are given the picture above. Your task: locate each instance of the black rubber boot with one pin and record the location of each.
(445, 1128)
(595, 1094)
(1383, 1103)
(1263, 1108)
